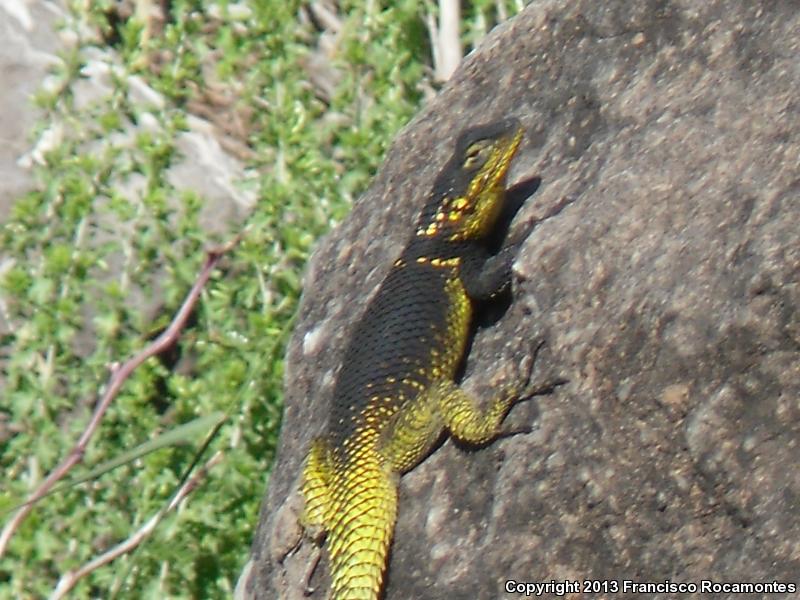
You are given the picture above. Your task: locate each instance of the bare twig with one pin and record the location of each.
(450, 51)
(445, 38)
(502, 13)
(119, 374)
(326, 16)
(69, 579)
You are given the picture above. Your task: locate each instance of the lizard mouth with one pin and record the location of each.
(490, 180)
(508, 140)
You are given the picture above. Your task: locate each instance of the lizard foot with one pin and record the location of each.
(528, 389)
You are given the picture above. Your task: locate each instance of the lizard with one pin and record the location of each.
(396, 395)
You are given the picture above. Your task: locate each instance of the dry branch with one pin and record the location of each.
(69, 579)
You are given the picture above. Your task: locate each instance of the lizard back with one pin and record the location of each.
(412, 333)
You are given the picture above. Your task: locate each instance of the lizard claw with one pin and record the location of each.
(510, 432)
(529, 388)
(543, 388)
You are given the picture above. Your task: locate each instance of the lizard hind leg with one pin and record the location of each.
(464, 417)
(444, 405)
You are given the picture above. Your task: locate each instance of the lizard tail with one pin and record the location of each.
(361, 526)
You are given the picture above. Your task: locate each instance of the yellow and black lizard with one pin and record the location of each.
(395, 395)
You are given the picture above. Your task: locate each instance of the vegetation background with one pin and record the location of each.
(307, 96)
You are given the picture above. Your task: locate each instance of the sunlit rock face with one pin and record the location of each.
(667, 292)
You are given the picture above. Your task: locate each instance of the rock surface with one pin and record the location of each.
(667, 292)
(28, 50)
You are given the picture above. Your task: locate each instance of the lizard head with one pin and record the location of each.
(468, 193)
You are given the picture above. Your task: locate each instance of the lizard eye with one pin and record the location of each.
(476, 155)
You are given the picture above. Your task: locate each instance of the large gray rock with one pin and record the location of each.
(28, 49)
(667, 292)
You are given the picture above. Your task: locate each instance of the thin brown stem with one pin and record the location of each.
(69, 579)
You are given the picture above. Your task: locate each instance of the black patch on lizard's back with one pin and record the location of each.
(392, 342)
